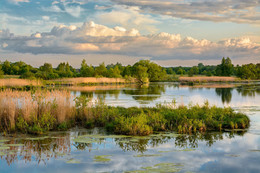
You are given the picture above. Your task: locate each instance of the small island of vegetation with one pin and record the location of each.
(39, 111)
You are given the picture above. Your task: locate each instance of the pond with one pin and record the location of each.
(94, 150)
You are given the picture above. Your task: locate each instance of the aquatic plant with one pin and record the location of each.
(43, 110)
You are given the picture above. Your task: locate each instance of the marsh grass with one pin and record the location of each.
(43, 110)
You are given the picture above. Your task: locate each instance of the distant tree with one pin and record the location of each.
(193, 70)
(141, 74)
(127, 71)
(225, 68)
(65, 70)
(6, 67)
(114, 72)
(1, 72)
(46, 72)
(101, 70)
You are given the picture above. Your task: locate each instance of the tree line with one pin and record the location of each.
(225, 68)
(143, 70)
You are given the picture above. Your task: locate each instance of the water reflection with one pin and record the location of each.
(147, 94)
(144, 93)
(225, 94)
(38, 149)
(41, 149)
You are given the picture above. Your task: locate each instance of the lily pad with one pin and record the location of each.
(187, 149)
(4, 140)
(232, 155)
(161, 167)
(85, 140)
(254, 150)
(4, 148)
(148, 155)
(3, 154)
(13, 145)
(73, 161)
(102, 158)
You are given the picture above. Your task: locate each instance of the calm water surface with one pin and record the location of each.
(81, 150)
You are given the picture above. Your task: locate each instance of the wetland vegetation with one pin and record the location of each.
(42, 110)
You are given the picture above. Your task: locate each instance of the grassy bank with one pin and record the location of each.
(39, 111)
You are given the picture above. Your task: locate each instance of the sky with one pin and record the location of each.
(168, 32)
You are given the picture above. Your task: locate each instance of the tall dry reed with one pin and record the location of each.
(32, 105)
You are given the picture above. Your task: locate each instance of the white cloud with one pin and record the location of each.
(45, 17)
(128, 17)
(18, 1)
(95, 38)
(237, 11)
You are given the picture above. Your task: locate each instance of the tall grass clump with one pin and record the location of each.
(43, 110)
(34, 111)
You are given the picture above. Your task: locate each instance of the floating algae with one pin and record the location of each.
(3, 154)
(148, 155)
(168, 151)
(161, 167)
(4, 148)
(39, 138)
(73, 161)
(102, 158)
(254, 150)
(4, 140)
(232, 155)
(85, 140)
(13, 145)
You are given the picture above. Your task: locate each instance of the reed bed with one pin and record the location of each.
(42, 110)
(19, 82)
(208, 79)
(91, 80)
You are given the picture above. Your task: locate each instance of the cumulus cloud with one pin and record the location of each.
(18, 1)
(127, 17)
(71, 7)
(237, 11)
(95, 38)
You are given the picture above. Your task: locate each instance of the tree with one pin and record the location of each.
(193, 70)
(1, 72)
(141, 74)
(225, 68)
(101, 70)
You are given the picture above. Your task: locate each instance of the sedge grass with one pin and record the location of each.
(43, 110)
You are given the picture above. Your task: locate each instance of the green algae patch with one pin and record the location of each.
(102, 158)
(165, 151)
(103, 136)
(73, 161)
(148, 155)
(4, 148)
(187, 149)
(232, 155)
(3, 154)
(85, 140)
(4, 140)
(38, 138)
(13, 145)
(254, 150)
(161, 167)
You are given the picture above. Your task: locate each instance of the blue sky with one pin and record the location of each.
(182, 32)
